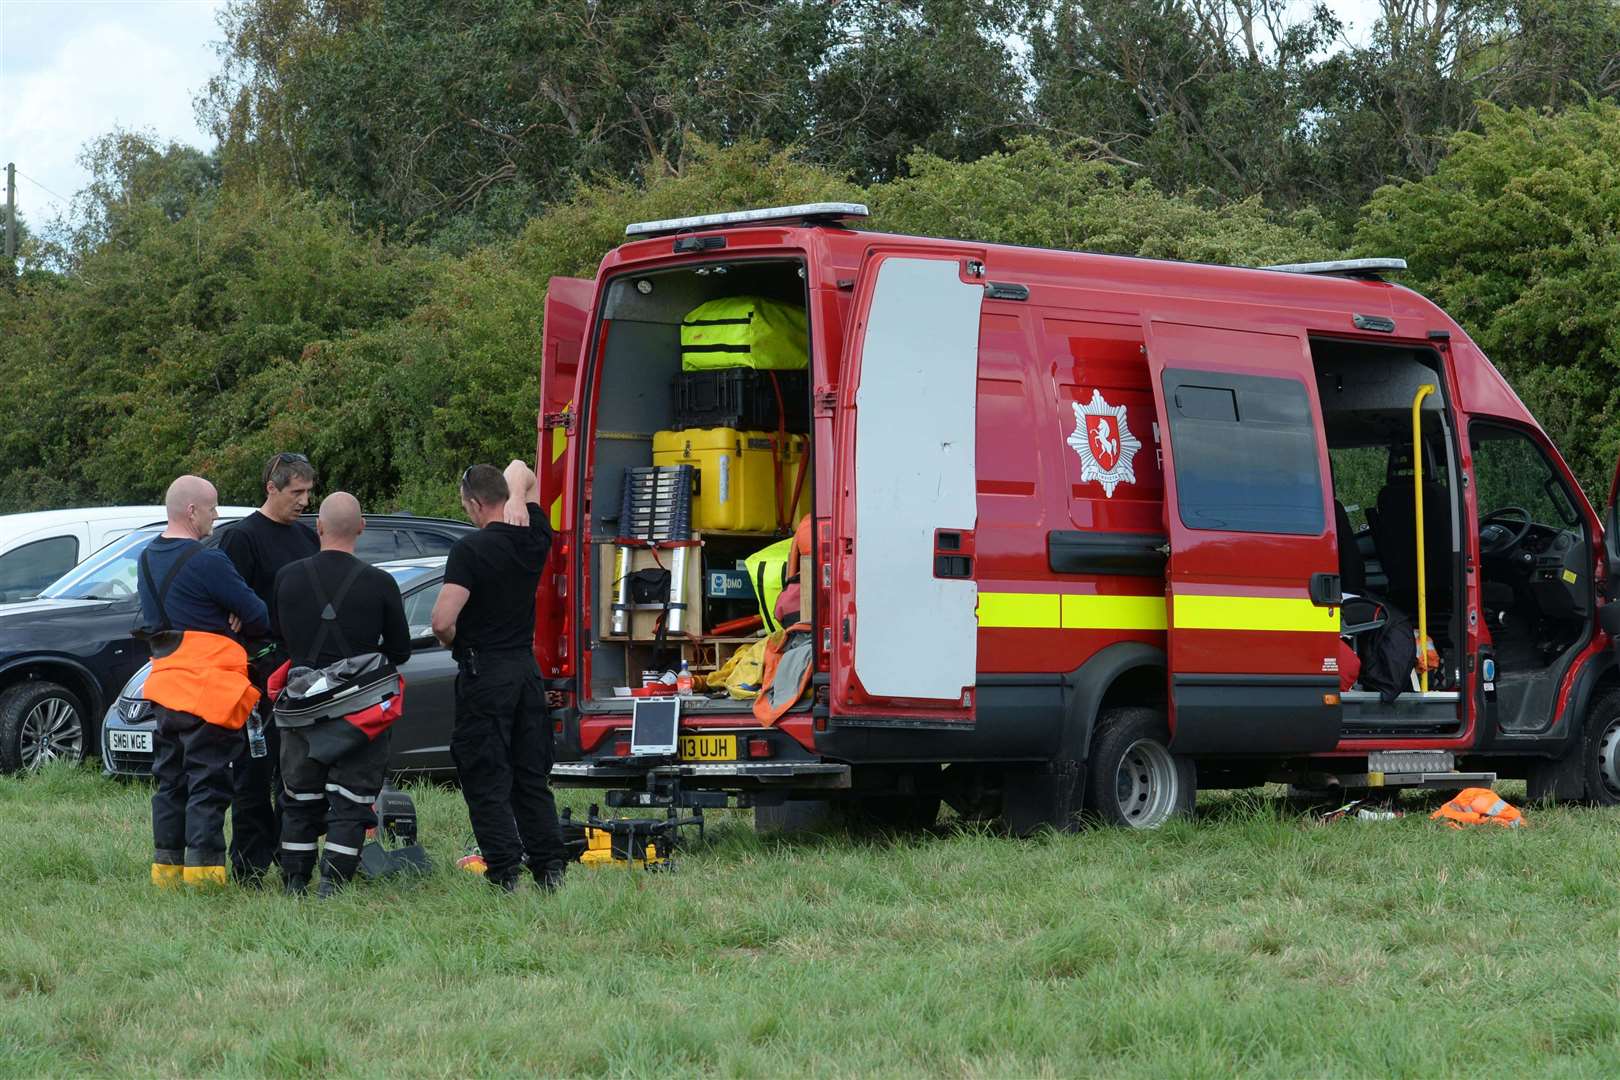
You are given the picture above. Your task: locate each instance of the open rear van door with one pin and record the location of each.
(1253, 577)
(567, 322)
(904, 596)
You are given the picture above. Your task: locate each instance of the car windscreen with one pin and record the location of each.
(109, 574)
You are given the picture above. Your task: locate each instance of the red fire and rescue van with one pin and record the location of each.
(1089, 531)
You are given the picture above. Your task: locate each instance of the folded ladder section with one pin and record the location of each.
(656, 512)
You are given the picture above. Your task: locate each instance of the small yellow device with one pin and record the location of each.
(599, 851)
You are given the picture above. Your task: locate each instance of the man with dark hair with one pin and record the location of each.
(193, 602)
(333, 609)
(502, 742)
(260, 545)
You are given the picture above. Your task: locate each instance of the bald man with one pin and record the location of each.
(194, 606)
(329, 608)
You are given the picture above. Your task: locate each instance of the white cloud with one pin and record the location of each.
(72, 71)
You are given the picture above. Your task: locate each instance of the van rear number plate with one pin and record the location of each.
(708, 748)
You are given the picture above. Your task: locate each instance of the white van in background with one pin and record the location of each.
(37, 548)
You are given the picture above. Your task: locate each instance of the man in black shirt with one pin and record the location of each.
(333, 607)
(502, 743)
(260, 545)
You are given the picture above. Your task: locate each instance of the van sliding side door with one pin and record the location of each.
(904, 622)
(1252, 585)
(567, 323)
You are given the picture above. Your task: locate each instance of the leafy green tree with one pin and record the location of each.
(472, 115)
(1515, 235)
(1037, 194)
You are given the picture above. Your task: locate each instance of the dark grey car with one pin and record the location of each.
(421, 735)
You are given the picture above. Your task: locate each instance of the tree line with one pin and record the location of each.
(358, 269)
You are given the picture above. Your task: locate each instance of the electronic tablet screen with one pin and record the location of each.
(653, 725)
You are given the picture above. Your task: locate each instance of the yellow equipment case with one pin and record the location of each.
(738, 476)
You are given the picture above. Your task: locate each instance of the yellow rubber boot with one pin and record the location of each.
(204, 877)
(166, 875)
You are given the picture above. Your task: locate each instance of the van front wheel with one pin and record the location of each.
(1133, 780)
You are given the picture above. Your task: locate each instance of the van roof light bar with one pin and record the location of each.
(814, 213)
(1358, 268)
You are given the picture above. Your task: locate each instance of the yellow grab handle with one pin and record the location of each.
(1417, 501)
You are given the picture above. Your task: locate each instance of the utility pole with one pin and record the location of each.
(11, 215)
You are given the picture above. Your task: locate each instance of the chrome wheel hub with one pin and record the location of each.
(1147, 784)
(52, 731)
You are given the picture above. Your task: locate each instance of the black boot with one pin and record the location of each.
(550, 876)
(329, 887)
(295, 885)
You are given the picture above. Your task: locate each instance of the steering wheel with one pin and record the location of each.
(1498, 538)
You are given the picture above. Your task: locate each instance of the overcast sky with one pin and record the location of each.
(71, 70)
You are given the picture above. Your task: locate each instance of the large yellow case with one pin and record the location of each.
(737, 477)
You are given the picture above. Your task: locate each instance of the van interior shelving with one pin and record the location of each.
(640, 362)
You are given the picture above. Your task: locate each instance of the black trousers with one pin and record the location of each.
(256, 800)
(335, 799)
(192, 767)
(502, 747)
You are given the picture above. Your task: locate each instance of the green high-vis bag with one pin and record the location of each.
(745, 331)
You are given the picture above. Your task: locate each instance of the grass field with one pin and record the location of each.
(1248, 941)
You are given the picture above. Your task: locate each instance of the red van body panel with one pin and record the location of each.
(1071, 445)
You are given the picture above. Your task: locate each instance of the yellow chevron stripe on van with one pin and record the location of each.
(1072, 611)
(1039, 611)
(1281, 613)
(1053, 611)
(1113, 612)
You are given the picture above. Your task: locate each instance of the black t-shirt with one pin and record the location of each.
(370, 617)
(499, 566)
(260, 547)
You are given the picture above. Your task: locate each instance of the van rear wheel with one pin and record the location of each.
(1133, 780)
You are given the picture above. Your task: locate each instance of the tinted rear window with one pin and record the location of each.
(1245, 455)
(380, 544)
(26, 570)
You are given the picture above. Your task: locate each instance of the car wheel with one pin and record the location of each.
(1134, 780)
(40, 722)
(1600, 750)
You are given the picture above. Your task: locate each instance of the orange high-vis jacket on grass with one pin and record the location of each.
(1478, 806)
(204, 675)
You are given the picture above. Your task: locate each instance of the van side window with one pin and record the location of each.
(1359, 474)
(1510, 470)
(26, 570)
(1245, 455)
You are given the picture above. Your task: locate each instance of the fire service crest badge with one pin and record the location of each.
(1103, 439)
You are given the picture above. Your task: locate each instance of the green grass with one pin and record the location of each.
(1249, 940)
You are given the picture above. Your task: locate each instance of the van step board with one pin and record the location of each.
(1411, 761)
(1444, 781)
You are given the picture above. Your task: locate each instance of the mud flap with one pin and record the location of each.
(1043, 797)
